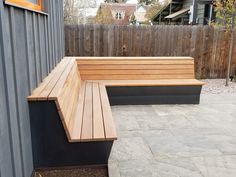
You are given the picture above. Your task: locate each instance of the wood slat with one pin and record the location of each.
(110, 130)
(118, 67)
(87, 125)
(50, 87)
(169, 82)
(71, 99)
(134, 61)
(72, 111)
(77, 122)
(135, 77)
(59, 84)
(137, 72)
(98, 128)
(53, 75)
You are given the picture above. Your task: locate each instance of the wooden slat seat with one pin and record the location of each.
(93, 120)
(143, 79)
(83, 106)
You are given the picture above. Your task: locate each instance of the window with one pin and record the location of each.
(36, 5)
(118, 15)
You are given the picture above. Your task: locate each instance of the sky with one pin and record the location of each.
(91, 11)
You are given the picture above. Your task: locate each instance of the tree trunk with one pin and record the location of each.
(230, 57)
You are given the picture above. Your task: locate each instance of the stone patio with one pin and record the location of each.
(176, 140)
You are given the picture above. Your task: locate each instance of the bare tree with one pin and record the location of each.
(71, 11)
(226, 16)
(75, 10)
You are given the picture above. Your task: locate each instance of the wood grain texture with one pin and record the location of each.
(135, 77)
(135, 68)
(87, 125)
(172, 82)
(76, 124)
(98, 127)
(110, 130)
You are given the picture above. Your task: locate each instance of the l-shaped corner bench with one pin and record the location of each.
(70, 114)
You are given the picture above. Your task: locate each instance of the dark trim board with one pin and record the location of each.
(50, 145)
(141, 95)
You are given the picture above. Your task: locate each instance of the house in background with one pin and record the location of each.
(120, 13)
(185, 12)
(140, 14)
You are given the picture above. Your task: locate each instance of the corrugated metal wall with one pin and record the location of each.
(31, 44)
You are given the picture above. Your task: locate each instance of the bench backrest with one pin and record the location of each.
(135, 68)
(62, 85)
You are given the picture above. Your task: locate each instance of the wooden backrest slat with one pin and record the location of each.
(85, 67)
(76, 124)
(135, 77)
(134, 61)
(136, 71)
(136, 68)
(72, 101)
(68, 97)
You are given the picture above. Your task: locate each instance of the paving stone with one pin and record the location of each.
(176, 140)
(219, 166)
(144, 133)
(130, 149)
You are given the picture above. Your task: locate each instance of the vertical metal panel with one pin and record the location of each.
(6, 164)
(28, 51)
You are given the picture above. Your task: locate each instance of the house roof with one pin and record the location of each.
(178, 13)
(175, 5)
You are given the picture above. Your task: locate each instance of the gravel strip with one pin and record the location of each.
(217, 86)
(73, 172)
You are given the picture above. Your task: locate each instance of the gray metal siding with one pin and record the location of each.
(200, 14)
(187, 3)
(31, 44)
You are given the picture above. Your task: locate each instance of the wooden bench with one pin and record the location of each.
(144, 80)
(71, 119)
(85, 114)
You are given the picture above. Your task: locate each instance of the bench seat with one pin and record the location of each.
(71, 118)
(93, 118)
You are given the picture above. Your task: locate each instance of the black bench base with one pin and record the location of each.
(141, 95)
(50, 145)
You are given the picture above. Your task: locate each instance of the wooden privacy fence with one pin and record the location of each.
(209, 46)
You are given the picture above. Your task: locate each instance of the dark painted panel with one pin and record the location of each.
(50, 145)
(154, 95)
(25, 57)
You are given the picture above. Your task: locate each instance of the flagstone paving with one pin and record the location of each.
(176, 140)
